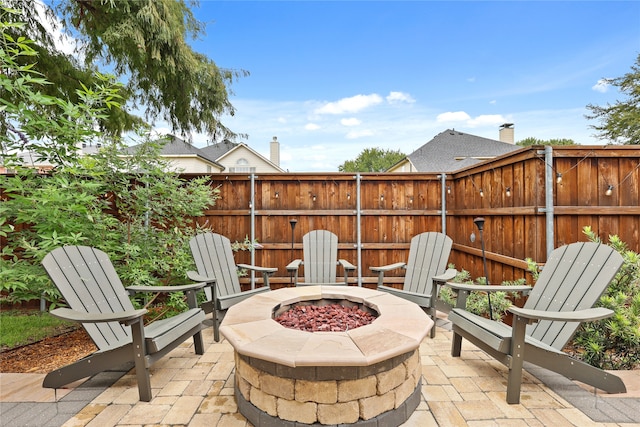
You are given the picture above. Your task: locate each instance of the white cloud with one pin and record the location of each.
(62, 42)
(471, 79)
(493, 102)
(282, 120)
(602, 86)
(397, 97)
(487, 120)
(311, 126)
(359, 134)
(457, 116)
(350, 105)
(350, 122)
(463, 118)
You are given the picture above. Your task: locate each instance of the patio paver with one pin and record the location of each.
(194, 390)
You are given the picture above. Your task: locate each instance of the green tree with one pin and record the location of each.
(130, 207)
(620, 122)
(145, 43)
(372, 160)
(535, 141)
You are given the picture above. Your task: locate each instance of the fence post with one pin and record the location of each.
(252, 207)
(443, 204)
(358, 229)
(549, 179)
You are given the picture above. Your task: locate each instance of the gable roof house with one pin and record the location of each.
(184, 157)
(452, 150)
(240, 158)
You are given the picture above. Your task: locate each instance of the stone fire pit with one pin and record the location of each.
(370, 375)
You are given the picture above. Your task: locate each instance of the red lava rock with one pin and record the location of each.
(328, 318)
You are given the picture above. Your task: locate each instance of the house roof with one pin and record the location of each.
(176, 147)
(219, 149)
(222, 149)
(452, 150)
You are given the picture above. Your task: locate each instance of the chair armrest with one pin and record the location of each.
(83, 317)
(382, 269)
(197, 277)
(294, 265)
(389, 267)
(465, 289)
(266, 271)
(177, 288)
(346, 265)
(263, 270)
(449, 274)
(488, 288)
(564, 316)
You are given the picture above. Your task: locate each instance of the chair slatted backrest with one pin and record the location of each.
(320, 256)
(213, 256)
(573, 278)
(428, 257)
(89, 283)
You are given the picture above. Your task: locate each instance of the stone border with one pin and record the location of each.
(392, 418)
(324, 373)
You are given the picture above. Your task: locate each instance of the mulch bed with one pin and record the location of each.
(48, 354)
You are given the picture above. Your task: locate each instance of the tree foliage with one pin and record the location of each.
(372, 160)
(130, 207)
(535, 141)
(145, 42)
(48, 126)
(620, 122)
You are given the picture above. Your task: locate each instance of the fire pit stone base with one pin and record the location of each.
(368, 376)
(387, 392)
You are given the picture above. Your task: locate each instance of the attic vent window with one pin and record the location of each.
(242, 166)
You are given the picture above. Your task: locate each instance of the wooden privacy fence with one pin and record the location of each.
(533, 200)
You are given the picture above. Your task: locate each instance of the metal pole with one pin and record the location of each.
(252, 206)
(479, 222)
(443, 196)
(549, 178)
(358, 230)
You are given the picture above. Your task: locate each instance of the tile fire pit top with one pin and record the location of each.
(400, 327)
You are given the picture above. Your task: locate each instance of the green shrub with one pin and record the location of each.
(129, 206)
(614, 343)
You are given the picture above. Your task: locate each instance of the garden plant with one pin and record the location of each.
(130, 206)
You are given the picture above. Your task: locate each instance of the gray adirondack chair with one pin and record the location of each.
(320, 260)
(214, 261)
(426, 270)
(571, 282)
(96, 297)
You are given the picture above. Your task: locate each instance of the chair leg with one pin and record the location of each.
(514, 383)
(216, 325)
(139, 355)
(434, 317)
(198, 343)
(456, 345)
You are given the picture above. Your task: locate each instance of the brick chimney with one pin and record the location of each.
(275, 151)
(506, 133)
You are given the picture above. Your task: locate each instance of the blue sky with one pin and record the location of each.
(332, 78)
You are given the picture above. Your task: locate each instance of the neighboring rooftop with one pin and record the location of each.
(452, 150)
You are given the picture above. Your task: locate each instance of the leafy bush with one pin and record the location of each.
(129, 206)
(614, 343)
